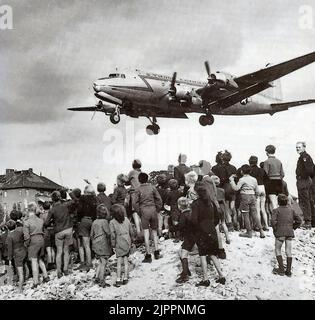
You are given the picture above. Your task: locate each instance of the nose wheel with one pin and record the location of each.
(153, 128)
(115, 117)
(206, 120)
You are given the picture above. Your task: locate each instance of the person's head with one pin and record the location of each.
(182, 158)
(121, 180)
(245, 168)
(218, 157)
(136, 164)
(201, 190)
(101, 187)
(143, 177)
(11, 225)
(191, 178)
(183, 203)
(161, 179)
(63, 194)
(261, 165)
(102, 212)
(89, 190)
(118, 212)
(32, 207)
(46, 205)
(15, 215)
(226, 157)
(253, 160)
(282, 199)
(173, 183)
(55, 196)
(300, 147)
(75, 193)
(215, 179)
(270, 149)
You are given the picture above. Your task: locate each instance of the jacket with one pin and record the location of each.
(305, 166)
(224, 171)
(284, 220)
(145, 196)
(273, 168)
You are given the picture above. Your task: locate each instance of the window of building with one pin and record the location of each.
(5, 194)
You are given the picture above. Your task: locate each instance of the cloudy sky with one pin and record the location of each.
(57, 48)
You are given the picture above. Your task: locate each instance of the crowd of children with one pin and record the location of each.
(195, 205)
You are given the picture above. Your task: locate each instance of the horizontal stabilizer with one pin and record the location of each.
(286, 105)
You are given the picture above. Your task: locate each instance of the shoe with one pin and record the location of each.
(46, 279)
(203, 283)
(306, 226)
(34, 286)
(176, 241)
(262, 234)
(59, 274)
(147, 258)
(157, 254)
(97, 281)
(265, 229)
(81, 266)
(221, 254)
(227, 241)
(221, 280)
(288, 273)
(278, 271)
(125, 281)
(118, 284)
(182, 278)
(246, 235)
(104, 284)
(88, 267)
(66, 272)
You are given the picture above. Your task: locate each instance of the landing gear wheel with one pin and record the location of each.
(152, 129)
(206, 120)
(203, 120)
(114, 118)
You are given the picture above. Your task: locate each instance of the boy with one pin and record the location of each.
(248, 187)
(284, 220)
(148, 202)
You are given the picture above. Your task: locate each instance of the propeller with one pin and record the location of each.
(208, 68)
(172, 89)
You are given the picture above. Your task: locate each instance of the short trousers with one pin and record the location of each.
(19, 256)
(248, 202)
(261, 191)
(274, 187)
(49, 237)
(36, 249)
(207, 245)
(149, 218)
(284, 238)
(189, 242)
(84, 228)
(222, 211)
(64, 237)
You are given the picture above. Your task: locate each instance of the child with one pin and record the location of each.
(121, 237)
(120, 191)
(100, 236)
(205, 218)
(162, 188)
(148, 203)
(284, 220)
(173, 196)
(188, 231)
(248, 187)
(190, 180)
(222, 204)
(17, 250)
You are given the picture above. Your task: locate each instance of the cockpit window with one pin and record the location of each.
(114, 75)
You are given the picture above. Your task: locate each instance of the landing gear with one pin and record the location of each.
(206, 120)
(153, 128)
(115, 117)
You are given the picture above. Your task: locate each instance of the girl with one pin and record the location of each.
(121, 235)
(284, 220)
(100, 236)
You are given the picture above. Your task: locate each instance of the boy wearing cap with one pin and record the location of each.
(148, 202)
(181, 170)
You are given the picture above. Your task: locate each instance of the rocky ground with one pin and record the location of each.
(248, 270)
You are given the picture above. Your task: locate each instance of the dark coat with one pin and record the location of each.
(284, 220)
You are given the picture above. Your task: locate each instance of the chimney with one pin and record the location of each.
(30, 170)
(9, 173)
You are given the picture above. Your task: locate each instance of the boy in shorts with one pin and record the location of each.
(284, 221)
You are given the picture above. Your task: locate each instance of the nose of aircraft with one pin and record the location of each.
(96, 87)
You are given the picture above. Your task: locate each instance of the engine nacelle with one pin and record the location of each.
(183, 93)
(226, 78)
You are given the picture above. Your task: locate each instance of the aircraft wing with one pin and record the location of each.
(286, 105)
(275, 72)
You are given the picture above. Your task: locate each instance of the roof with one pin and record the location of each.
(28, 179)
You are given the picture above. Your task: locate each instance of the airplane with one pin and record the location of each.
(144, 94)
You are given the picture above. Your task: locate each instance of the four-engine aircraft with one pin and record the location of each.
(142, 94)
